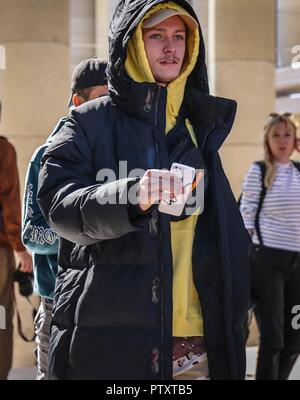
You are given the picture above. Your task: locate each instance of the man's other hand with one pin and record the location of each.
(25, 260)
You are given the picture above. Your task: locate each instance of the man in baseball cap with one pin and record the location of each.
(88, 81)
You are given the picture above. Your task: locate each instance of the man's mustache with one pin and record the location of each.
(169, 58)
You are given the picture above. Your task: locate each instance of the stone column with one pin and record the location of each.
(201, 9)
(288, 33)
(82, 31)
(288, 51)
(102, 21)
(241, 36)
(34, 89)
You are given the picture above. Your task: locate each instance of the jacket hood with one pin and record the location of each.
(127, 16)
(138, 68)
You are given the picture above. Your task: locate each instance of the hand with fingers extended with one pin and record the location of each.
(156, 185)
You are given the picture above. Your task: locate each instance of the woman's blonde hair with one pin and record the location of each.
(273, 120)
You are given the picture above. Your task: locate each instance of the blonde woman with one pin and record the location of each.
(270, 208)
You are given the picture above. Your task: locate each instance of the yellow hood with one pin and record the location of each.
(137, 66)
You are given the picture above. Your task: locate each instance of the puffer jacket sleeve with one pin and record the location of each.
(75, 206)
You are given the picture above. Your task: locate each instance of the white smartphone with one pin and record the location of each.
(174, 205)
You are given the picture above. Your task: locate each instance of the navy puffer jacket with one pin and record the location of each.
(113, 299)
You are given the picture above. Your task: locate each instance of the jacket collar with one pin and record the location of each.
(211, 117)
(140, 99)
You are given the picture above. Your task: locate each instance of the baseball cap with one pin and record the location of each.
(161, 15)
(88, 73)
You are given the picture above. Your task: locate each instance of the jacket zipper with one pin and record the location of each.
(160, 246)
(155, 124)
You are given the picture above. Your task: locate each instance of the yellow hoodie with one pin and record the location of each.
(187, 316)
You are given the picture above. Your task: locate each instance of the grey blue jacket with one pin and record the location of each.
(41, 240)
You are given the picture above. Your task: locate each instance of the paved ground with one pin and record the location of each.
(251, 363)
(23, 374)
(29, 373)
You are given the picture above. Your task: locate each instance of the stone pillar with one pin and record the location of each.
(82, 31)
(288, 51)
(288, 33)
(241, 50)
(201, 9)
(102, 21)
(34, 89)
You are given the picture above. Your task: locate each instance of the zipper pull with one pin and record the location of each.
(155, 360)
(153, 230)
(148, 101)
(155, 290)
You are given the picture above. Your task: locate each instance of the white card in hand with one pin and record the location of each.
(174, 205)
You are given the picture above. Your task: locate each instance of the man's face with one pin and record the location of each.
(165, 46)
(98, 91)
